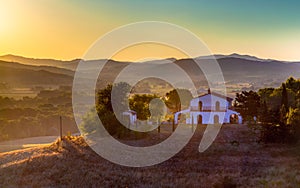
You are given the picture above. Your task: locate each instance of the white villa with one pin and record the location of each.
(210, 108)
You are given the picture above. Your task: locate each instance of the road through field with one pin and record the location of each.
(26, 143)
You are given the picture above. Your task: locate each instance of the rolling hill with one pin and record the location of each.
(21, 77)
(236, 69)
(41, 62)
(52, 69)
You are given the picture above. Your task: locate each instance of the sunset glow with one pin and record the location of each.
(66, 29)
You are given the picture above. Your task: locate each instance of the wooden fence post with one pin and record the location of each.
(60, 127)
(192, 123)
(158, 128)
(173, 125)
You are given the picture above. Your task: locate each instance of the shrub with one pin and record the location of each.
(279, 133)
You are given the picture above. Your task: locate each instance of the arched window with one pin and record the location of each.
(217, 106)
(199, 120)
(216, 119)
(200, 105)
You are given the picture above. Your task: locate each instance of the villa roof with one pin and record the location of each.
(217, 95)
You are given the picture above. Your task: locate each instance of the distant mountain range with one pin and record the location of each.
(237, 69)
(235, 55)
(41, 62)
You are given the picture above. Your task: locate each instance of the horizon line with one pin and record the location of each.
(153, 59)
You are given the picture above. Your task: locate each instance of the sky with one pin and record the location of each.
(65, 29)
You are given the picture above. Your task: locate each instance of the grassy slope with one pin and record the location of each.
(73, 163)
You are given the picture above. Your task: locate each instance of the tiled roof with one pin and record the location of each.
(218, 95)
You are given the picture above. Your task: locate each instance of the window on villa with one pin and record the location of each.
(200, 105)
(217, 106)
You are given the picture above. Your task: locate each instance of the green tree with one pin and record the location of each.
(113, 96)
(247, 103)
(265, 115)
(281, 122)
(178, 98)
(293, 84)
(140, 104)
(293, 117)
(284, 98)
(156, 108)
(265, 95)
(105, 109)
(104, 99)
(89, 123)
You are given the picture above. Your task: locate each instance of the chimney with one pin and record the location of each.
(208, 91)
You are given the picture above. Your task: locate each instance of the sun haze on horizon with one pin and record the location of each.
(66, 29)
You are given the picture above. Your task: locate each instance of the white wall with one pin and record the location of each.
(207, 117)
(208, 101)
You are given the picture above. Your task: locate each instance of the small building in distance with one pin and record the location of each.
(130, 117)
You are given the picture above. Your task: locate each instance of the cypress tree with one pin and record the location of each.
(284, 97)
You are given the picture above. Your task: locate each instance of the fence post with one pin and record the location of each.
(173, 124)
(158, 128)
(192, 123)
(60, 127)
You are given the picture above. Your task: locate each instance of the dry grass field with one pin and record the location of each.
(234, 160)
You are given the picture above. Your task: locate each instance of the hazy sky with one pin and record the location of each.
(65, 29)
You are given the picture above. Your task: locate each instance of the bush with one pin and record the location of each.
(279, 133)
(89, 123)
(108, 119)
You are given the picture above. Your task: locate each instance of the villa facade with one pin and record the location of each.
(210, 108)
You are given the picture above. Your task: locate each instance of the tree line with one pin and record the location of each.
(140, 103)
(275, 110)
